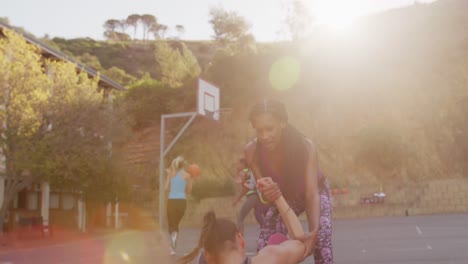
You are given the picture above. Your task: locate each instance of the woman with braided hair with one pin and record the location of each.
(282, 153)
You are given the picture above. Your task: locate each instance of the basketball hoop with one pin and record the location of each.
(207, 106)
(208, 100)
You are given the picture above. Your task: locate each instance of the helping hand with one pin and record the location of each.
(309, 240)
(269, 189)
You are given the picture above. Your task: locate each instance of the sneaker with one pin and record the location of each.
(174, 240)
(172, 251)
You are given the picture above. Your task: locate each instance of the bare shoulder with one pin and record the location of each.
(287, 252)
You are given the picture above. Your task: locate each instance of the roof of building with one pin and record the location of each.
(50, 52)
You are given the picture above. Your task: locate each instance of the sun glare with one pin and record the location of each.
(338, 15)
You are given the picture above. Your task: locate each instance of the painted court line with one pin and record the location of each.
(418, 230)
(410, 249)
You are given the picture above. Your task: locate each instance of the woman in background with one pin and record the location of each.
(179, 186)
(250, 191)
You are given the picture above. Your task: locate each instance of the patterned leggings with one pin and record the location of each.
(323, 253)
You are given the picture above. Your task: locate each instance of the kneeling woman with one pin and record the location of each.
(222, 242)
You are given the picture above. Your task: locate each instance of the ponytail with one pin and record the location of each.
(209, 222)
(177, 163)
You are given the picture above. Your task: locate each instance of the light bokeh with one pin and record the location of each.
(284, 73)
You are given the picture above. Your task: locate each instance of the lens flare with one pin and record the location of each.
(284, 73)
(124, 256)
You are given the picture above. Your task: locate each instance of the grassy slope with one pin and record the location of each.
(401, 71)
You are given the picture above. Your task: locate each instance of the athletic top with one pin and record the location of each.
(178, 186)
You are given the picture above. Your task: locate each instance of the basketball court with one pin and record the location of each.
(437, 239)
(434, 239)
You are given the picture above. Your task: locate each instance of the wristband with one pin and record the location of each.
(261, 198)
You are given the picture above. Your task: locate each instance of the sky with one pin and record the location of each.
(84, 18)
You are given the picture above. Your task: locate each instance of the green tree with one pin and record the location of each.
(159, 31)
(23, 88)
(5, 20)
(298, 19)
(146, 100)
(149, 22)
(111, 24)
(54, 126)
(91, 61)
(119, 76)
(133, 20)
(177, 63)
(123, 25)
(75, 151)
(227, 26)
(117, 36)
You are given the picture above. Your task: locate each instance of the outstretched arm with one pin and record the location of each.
(290, 218)
(291, 251)
(312, 198)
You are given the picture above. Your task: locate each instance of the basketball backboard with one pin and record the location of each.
(208, 100)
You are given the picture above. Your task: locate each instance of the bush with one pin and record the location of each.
(207, 188)
(381, 150)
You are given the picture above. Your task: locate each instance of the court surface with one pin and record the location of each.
(407, 240)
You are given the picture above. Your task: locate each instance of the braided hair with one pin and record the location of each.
(293, 143)
(214, 235)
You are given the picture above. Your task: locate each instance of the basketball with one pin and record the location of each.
(194, 170)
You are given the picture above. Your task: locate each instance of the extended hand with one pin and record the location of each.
(269, 189)
(309, 240)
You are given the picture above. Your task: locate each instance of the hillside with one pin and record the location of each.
(386, 101)
(134, 57)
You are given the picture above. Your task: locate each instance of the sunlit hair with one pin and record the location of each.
(178, 163)
(217, 236)
(273, 107)
(293, 144)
